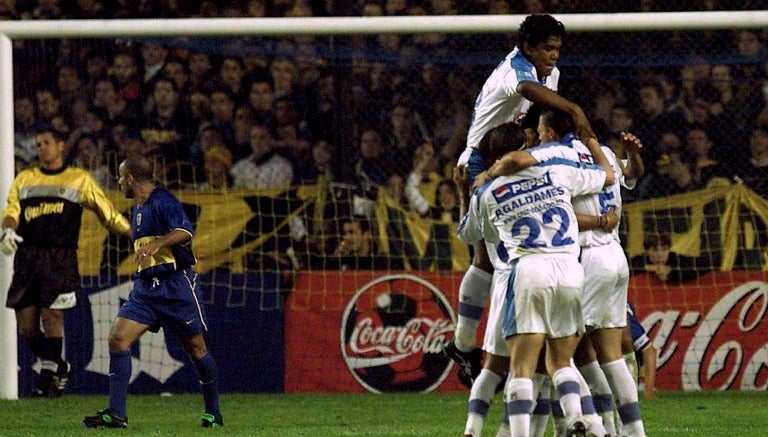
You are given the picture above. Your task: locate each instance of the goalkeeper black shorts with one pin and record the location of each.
(40, 276)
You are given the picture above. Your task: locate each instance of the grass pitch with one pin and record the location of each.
(671, 414)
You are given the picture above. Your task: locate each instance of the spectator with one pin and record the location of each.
(200, 68)
(264, 168)
(704, 165)
(153, 57)
(754, 173)
(69, 85)
(374, 164)
(165, 128)
(231, 73)
(176, 70)
(654, 119)
(47, 104)
(223, 111)
(217, 163)
(25, 129)
(90, 157)
(126, 72)
(666, 265)
(356, 250)
(106, 97)
(261, 98)
(421, 187)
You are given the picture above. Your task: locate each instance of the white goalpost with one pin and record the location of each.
(233, 27)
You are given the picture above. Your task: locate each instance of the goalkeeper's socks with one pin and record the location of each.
(473, 295)
(209, 383)
(120, 367)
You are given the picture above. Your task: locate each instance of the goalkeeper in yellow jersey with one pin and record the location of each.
(41, 225)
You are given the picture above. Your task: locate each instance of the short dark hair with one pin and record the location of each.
(139, 167)
(560, 121)
(500, 140)
(537, 28)
(57, 134)
(656, 240)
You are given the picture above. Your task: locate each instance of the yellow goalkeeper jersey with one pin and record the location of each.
(48, 206)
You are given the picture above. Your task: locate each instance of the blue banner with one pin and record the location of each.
(245, 319)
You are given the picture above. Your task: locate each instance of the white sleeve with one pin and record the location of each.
(470, 228)
(415, 199)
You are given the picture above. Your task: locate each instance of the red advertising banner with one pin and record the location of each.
(710, 333)
(383, 331)
(370, 331)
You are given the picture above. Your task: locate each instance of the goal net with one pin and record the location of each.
(370, 125)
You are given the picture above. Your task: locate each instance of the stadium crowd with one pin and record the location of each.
(371, 113)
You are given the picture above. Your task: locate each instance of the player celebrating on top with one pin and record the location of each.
(527, 75)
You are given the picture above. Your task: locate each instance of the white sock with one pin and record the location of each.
(542, 386)
(474, 291)
(561, 425)
(480, 398)
(601, 394)
(624, 387)
(592, 420)
(518, 402)
(631, 360)
(566, 382)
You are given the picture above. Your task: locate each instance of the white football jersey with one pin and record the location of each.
(499, 101)
(593, 204)
(531, 211)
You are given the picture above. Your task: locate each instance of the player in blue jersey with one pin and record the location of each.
(529, 220)
(527, 75)
(165, 294)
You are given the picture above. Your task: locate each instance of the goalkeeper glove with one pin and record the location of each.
(9, 241)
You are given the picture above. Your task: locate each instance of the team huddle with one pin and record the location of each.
(539, 218)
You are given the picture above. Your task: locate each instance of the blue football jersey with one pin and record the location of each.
(159, 215)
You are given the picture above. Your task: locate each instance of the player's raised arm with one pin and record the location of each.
(601, 160)
(635, 166)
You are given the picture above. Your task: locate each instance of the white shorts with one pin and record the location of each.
(605, 287)
(494, 341)
(545, 297)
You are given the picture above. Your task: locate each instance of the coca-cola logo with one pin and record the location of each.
(392, 334)
(728, 349)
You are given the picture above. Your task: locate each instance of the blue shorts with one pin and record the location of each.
(171, 301)
(475, 166)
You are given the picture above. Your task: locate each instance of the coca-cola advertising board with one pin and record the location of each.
(710, 333)
(370, 332)
(382, 331)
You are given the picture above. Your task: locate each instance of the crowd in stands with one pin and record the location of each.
(372, 113)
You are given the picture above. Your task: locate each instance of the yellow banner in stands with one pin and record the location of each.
(733, 217)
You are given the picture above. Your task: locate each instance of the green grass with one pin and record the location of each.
(672, 414)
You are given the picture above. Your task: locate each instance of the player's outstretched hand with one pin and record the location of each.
(461, 177)
(631, 143)
(10, 240)
(481, 180)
